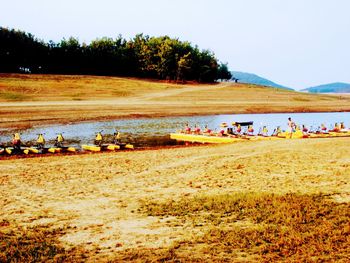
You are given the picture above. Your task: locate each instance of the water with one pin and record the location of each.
(155, 131)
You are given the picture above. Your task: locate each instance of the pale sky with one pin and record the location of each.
(296, 43)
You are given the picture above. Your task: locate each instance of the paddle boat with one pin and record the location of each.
(99, 146)
(59, 145)
(201, 138)
(16, 148)
(224, 135)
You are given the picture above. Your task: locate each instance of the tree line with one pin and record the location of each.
(143, 56)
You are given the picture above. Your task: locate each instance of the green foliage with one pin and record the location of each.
(20, 51)
(162, 57)
(223, 72)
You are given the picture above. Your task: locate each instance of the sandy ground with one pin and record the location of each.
(97, 196)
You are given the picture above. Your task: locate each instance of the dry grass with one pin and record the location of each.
(185, 204)
(35, 244)
(263, 227)
(66, 87)
(13, 96)
(42, 99)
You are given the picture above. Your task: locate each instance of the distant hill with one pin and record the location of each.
(244, 77)
(337, 87)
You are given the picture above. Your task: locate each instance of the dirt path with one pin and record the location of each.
(96, 197)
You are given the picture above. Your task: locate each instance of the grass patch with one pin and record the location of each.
(301, 99)
(121, 93)
(13, 96)
(298, 228)
(36, 244)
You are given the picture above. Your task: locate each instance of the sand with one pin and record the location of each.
(96, 197)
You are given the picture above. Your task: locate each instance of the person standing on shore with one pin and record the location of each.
(291, 127)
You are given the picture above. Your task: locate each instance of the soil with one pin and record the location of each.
(96, 197)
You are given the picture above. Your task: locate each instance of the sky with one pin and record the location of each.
(296, 43)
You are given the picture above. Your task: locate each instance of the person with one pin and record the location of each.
(187, 129)
(197, 130)
(59, 140)
(336, 127)
(238, 128)
(221, 133)
(98, 139)
(264, 131)
(277, 131)
(305, 129)
(207, 131)
(250, 130)
(16, 141)
(342, 127)
(40, 141)
(116, 138)
(291, 127)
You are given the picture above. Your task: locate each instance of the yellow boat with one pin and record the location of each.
(110, 147)
(113, 147)
(71, 149)
(33, 150)
(64, 149)
(330, 134)
(129, 146)
(263, 138)
(54, 150)
(204, 138)
(340, 134)
(295, 135)
(8, 150)
(91, 148)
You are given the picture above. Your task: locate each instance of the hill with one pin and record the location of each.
(337, 87)
(244, 77)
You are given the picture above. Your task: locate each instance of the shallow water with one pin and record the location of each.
(155, 131)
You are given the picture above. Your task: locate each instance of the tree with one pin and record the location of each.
(223, 72)
(143, 56)
(184, 67)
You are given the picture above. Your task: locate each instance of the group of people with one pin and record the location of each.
(224, 130)
(18, 145)
(196, 130)
(236, 130)
(99, 138)
(338, 127)
(16, 141)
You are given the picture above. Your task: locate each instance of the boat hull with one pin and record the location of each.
(91, 148)
(204, 138)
